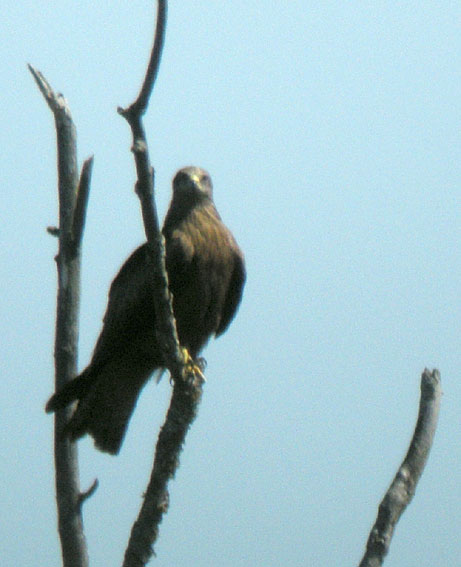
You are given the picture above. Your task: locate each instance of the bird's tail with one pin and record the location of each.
(106, 401)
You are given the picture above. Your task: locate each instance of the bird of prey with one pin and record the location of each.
(206, 273)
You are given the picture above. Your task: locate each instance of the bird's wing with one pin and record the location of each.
(129, 310)
(235, 289)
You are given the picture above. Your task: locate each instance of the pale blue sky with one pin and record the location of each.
(331, 131)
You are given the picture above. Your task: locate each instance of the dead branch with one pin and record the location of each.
(404, 484)
(73, 197)
(187, 388)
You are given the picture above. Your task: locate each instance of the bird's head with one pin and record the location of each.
(193, 185)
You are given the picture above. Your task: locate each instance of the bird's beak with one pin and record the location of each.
(195, 179)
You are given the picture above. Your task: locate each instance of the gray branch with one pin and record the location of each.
(165, 324)
(187, 389)
(403, 486)
(72, 196)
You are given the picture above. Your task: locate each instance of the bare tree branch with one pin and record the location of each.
(73, 543)
(404, 484)
(187, 379)
(165, 323)
(182, 412)
(139, 107)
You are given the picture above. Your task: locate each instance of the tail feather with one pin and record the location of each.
(104, 416)
(107, 400)
(73, 390)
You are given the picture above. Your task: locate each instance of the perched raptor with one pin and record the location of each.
(206, 274)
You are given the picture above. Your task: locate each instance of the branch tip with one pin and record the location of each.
(139, 106)
(403, 487)
(430, 381)
(53, 230)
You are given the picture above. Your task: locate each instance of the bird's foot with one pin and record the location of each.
(193, 368)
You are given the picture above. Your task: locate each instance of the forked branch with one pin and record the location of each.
(165, 324)
(187, 388)
(73, 198)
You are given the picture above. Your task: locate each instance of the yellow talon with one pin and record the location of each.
(192, 367)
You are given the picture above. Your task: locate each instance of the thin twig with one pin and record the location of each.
(139, 107)
(403, 487)
(88, 493)
(53, 230)
(73, 543)
(187, 389)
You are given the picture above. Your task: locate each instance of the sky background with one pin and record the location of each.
(331, 131)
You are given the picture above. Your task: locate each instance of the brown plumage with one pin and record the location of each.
(206, 276)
